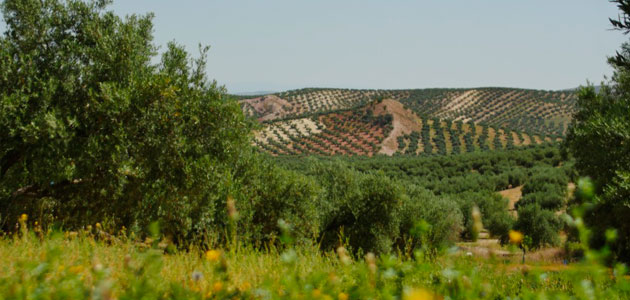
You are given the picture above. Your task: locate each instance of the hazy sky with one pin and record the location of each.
(285, 44)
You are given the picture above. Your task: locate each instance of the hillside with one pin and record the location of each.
(535, 111)
(384, 127)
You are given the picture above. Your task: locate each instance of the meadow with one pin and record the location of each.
(93, 264)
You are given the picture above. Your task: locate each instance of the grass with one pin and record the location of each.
(93, 265)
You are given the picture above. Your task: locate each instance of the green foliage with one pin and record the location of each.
(270, 194)
(547, 187)
(361, 208)
(539, 224)
(494, 213)
(91, 130)
(442, 214)
(599, 140)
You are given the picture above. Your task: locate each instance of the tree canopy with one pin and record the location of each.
(92, 130)
(599, 139)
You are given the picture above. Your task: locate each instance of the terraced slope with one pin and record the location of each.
(386, 127)
(540, 112)
(356, 132)
(305, 102)
(524, 110)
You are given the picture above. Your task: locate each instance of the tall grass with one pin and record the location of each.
(93, 265)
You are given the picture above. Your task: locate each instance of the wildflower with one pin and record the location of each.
(97, 225)
(418, 294)
(515, 237)
(213, 255)
(196, 276)
(76, 269)
(98, 267)
(342, 296)
(317, 293)
(217, 286)
(23, 218)
(245, 286)
(332, 278)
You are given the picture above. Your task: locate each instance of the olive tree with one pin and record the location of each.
(91, 129)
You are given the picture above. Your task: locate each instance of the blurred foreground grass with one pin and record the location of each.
(95, 265)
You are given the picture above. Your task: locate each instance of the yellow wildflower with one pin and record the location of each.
(317, 293)
(418, 294)
(213, 255)
(76, 269)
(342, 296)
(217, 286)
(515, 237)
(245, 286)
(23, 218)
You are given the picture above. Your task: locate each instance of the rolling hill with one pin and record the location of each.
(536, 111)
(385, 127)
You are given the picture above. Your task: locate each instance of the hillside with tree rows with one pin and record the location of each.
(387, 127)
(535, 111)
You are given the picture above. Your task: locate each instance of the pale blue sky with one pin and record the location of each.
(286, 44)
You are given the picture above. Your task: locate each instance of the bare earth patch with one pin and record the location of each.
(269, 107)
(405, 121)
(513, 195)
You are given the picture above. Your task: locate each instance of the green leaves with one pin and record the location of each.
(90, 124)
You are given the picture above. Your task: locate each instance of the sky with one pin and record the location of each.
(275, 45)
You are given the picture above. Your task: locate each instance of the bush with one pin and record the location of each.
(539, 224)
(441, 213)
(362, 208)
(495, 216)
(269, 194)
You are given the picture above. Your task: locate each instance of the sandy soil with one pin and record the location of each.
(405, 121)
(513, 195)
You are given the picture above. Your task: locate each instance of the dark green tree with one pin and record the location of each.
(539, 224)
(599, 139)
(92, 130)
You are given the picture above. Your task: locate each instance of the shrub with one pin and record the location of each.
(539, 224)
(269, 194)
(441, 213)
(493, 208)
(362, 208)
